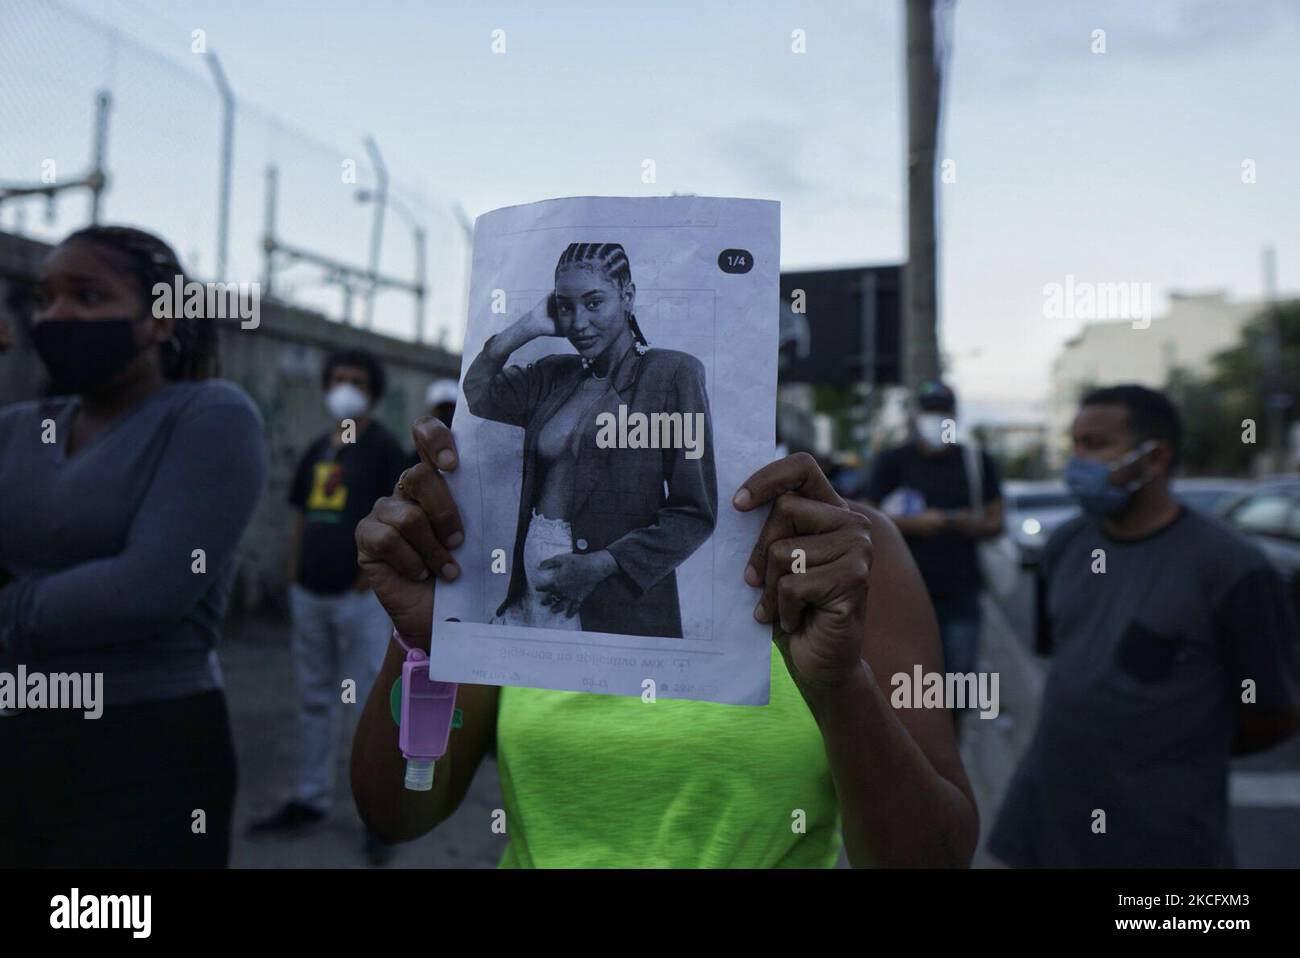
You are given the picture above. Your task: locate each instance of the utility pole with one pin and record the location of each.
(96, 180)
(419, 241)
(421, 280)
(466, 223)
(268, 230)
(376, 225)
(920, 295)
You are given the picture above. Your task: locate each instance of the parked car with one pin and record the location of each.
(1270, 516)
(1033, 511)
(1210, 495)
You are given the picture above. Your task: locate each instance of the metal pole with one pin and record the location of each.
(227, 150)
(866, 385)
(98, 179)
(920, 312)
(421, 278)
(377, 225)
(867, 324)
(467, 226)
(268, 230)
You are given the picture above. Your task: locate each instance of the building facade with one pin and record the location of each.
(1123, 351)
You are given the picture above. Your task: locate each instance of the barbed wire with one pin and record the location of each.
(162, 160)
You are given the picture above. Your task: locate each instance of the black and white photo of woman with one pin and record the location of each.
(601, 529)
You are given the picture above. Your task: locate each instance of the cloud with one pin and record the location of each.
(769, 152)
(1193, 27)
(776, 157)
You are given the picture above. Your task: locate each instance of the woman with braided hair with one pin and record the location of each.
(601, 529)
(122, 499)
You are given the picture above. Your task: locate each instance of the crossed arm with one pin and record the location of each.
(201, 497)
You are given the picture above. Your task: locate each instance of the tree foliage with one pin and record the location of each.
(1241, 383)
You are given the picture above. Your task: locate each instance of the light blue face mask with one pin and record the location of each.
(1089, 482)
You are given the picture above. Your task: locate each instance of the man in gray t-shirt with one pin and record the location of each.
(1174, 648)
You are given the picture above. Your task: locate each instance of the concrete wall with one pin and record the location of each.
(279, 365)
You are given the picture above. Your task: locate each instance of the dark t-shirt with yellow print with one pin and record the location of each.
(335, 487)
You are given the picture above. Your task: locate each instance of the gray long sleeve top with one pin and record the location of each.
(102, 546)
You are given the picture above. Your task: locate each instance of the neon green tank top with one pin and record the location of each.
(604, 781)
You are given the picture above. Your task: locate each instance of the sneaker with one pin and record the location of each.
(293, 818)
(377, 852)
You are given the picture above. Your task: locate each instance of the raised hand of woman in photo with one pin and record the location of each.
(534, 324)
(813, 561)
(407, 539)
(541, 320)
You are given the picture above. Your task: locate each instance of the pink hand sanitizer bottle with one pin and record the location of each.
(426, 720)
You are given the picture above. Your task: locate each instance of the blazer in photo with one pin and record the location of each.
(651, 508)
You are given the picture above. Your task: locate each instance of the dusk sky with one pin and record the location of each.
(1117, 167)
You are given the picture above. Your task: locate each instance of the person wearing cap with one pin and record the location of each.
(944, 497)
(441, 400)
(440, 403)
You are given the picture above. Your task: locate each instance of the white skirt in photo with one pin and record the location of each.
(546, 538)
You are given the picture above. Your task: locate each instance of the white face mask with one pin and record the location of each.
(931, 427)
(346, 401)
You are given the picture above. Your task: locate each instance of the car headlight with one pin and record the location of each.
(1031, 527)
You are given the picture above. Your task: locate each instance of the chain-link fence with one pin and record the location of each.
(87, 112)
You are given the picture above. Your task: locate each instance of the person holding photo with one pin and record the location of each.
(609, 781)
(600, 531)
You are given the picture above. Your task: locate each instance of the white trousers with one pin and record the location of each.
(335, 637)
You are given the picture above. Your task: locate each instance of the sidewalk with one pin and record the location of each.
(990, 748)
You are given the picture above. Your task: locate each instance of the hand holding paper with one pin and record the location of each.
(813, 561)
(412, 532)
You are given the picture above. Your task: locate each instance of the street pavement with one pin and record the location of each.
(259, 679)
(258, 669)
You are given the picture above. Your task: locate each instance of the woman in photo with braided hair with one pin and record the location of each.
(136, 466)
(601, 530)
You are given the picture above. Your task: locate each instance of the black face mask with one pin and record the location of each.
(81, 355)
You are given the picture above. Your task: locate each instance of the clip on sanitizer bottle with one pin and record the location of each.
(427, 711)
